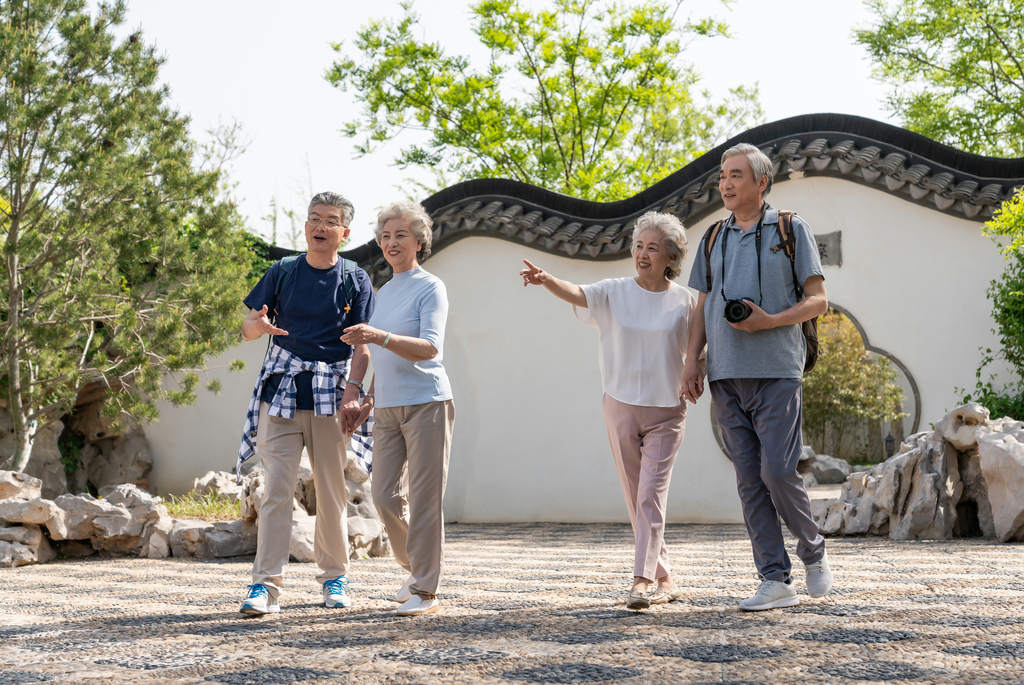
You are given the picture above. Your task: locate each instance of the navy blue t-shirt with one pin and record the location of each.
(312, 310)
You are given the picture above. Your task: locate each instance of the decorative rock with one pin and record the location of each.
(122, 459)
(148, 532)
(305, 491)
(88, 421)
(963, 479)
(37, 511)
(960, 427)
(300, 547)
(1002, 467)
(809, 480)
(87, 517)
(362, 534)
(828, 470)
(188, 538)
(234, 539)
(253, 488)
(807, 453)
(14, 554)
(22, 545)
(46, 463)
(15, 485)
(218, 483)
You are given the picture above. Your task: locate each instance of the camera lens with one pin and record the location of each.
(736, 311)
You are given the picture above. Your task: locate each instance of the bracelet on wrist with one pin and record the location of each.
(386, 339)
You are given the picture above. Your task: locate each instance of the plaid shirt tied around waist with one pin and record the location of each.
(328, 390)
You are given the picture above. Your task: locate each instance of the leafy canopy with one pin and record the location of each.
(587, 98)
(847, 386)
(955, 68)
(121, 263)
(1007, 296)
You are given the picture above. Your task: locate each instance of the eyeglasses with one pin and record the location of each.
(329, 222)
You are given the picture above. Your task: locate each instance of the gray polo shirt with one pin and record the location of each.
(774, 353)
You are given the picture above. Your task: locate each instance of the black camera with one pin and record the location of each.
(736, 311)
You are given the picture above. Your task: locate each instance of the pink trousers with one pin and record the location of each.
(645, 441)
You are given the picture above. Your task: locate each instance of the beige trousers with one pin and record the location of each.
(645, 441)
(411, 446)
(279, 443)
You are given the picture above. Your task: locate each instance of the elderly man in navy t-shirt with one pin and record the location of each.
(307, 395)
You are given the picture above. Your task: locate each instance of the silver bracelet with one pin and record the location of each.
(358, 384)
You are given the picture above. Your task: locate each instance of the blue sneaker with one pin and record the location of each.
(334, 593)
(258, 601)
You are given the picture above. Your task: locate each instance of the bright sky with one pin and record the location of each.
(262, 63)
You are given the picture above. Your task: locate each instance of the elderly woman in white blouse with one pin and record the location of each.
(644, 325)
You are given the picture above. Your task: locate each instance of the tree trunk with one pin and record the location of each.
(876, 447)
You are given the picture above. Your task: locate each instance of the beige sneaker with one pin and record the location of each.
(665, 595)
(637, 601)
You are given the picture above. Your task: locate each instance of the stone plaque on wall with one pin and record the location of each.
(830, 248)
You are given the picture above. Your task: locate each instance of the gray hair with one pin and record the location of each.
(419, 222)
(759, 163)
(672, 232)
(334, 200)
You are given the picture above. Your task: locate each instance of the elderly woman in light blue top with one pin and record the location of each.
(412, 404)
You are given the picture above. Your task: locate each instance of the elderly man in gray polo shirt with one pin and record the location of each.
(755, 370)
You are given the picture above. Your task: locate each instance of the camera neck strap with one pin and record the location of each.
(757, 243)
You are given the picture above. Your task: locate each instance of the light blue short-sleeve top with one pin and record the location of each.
(414, 304)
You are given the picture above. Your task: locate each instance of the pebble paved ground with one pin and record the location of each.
(528, 604)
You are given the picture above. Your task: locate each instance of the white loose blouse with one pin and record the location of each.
(643, 339)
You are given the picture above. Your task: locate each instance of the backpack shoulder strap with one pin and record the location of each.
(348, 277)
(788, 242)
(287, 266)
(709, 242)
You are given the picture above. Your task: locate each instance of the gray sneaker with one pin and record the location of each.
(819, 578)
(772, 594)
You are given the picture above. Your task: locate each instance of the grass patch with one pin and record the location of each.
(208, 507)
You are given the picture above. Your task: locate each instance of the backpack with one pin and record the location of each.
(287, 265)
(788, 245)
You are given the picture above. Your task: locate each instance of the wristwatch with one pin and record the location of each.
(358, 384)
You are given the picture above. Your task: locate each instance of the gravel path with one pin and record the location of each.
(528, 604)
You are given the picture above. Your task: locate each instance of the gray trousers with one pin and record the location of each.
(761, 421)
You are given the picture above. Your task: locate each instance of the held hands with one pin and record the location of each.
(758, 320)
(353, 415)
(533, 275)
(693, 381)
(362, 334)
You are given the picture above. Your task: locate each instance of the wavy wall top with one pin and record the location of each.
(861, 150)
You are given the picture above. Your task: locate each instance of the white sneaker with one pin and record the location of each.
(405, 594)
(258, 602)
(819, 578)
(335, 595)
(417, 606)
(772, 594)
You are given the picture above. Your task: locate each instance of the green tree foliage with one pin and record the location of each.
(955, 67)
(120, 262)
(847, 387)
(586, 98)
(1007, 296)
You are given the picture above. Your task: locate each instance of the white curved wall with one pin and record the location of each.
(530, 443)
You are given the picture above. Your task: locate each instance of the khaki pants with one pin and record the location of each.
(411, 446)
(645, 442)
(279, 443)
